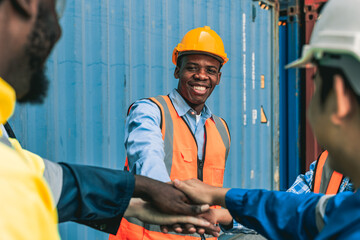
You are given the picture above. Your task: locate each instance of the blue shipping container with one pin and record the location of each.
(290, 98)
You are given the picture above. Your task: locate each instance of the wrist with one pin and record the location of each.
(219, 196)
(134, 207)
(130, 210)
(225, 219)
(226, 227)
(142, 186)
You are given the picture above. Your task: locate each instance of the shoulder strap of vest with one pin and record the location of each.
(335, 182)
(3, 137)
(164, 103)
(318, 171)
(224, 132)
(326, 180)
(159, 102)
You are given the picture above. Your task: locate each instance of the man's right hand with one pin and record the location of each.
(202, 193)
(165, 197)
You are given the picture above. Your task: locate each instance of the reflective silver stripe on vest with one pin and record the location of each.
(3, 130)
(223, 133)
(5, 141)
(325, 176)
(4, 138)
(320, 211)
(169, 133)
(53, 174)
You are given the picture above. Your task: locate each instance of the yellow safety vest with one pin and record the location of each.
(26, 205)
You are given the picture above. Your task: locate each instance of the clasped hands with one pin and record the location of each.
(179, 206)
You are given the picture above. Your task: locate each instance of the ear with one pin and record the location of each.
(343, 101)
(177, 72)
(219, 77)
(25, 7)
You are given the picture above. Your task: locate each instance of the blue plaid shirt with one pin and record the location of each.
(303, 182)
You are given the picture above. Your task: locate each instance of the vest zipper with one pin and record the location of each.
(200, 169)
(200, 162)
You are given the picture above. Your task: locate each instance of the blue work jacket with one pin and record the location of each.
(283, 215)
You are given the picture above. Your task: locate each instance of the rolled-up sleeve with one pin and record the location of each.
(143, 141)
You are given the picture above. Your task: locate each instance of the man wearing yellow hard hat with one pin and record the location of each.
(334, 115)
(176, 136)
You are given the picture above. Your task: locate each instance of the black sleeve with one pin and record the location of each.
(94, 196)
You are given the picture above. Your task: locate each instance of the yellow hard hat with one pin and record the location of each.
(203, 40)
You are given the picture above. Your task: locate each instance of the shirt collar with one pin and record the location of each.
(7, 101)
(182, 107)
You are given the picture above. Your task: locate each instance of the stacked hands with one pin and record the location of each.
(179, 206)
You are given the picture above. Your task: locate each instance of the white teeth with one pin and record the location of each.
(200, 88)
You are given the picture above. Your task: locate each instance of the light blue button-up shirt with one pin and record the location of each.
(143, 138)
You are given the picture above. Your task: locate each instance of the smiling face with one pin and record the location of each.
(198, 75)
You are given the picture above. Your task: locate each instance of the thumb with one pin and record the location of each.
(204, 208)
(177, 183)
(182, 186)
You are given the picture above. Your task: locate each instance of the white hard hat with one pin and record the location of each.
(337, 31)
(335, 41)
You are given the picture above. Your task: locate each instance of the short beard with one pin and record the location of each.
(41, 41)
(39, 84)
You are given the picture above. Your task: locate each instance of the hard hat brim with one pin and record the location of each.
(303, 62)
(316, 52)
(184, 53)
(300, 63)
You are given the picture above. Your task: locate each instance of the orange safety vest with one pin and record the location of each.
(326, 180)
(182, 163)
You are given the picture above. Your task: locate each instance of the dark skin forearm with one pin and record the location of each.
(165, 197)
(143, 187)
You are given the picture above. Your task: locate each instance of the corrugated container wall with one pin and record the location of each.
(114, 52)
(290, 98)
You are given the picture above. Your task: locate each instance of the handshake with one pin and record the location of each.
(179, 206)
